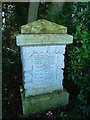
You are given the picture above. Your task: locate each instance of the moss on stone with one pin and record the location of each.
(43, 26)
(40, 90)
(40, 103)
(43, 39)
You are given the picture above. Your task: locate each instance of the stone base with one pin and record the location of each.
(43, 102)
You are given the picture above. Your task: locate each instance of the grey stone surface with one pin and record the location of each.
(42, 68)
(43, 39)
(43, 26)
(44, 102)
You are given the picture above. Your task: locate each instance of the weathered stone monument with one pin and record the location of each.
(42, 46)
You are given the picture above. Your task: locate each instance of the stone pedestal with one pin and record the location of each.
(43, 102)
(42, 46)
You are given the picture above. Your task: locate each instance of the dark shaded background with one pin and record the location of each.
(75, 16)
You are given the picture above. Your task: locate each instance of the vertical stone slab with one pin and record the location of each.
(42, 67)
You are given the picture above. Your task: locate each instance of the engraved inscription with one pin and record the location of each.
(44, 68)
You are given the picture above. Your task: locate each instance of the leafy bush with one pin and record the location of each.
(78, 55)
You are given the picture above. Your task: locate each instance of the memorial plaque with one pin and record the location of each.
(42, 68)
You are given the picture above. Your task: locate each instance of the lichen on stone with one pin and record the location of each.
(43, 26)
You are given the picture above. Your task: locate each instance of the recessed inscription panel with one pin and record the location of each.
(42, 68)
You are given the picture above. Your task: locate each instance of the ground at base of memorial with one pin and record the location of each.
(12, 108)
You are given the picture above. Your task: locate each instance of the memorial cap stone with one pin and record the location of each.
(43, 32)
(43, 26)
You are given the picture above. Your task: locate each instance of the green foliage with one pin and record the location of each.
(78, 55)
(11, 63)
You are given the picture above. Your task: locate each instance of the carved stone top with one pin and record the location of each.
(43, 26)
(43, 32)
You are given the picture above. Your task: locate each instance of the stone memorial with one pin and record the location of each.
(42, 45)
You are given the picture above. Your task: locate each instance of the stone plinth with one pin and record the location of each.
(43, 102)
(42, 46)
